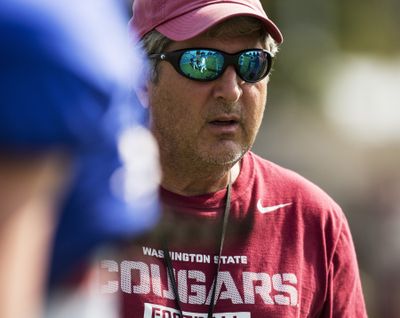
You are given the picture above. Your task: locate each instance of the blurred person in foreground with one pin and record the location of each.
(241, 236)
(67, 127)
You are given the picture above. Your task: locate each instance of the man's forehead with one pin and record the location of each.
(221, 41)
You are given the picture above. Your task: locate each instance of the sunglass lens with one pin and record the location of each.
(253, 65)
(203, 65)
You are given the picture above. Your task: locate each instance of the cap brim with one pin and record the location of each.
(197, 21)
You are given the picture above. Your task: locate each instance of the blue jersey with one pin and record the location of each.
(66, 82)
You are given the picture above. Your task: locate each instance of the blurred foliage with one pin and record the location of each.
(315, 32)
(369, 26)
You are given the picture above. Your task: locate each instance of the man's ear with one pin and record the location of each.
(142, 93)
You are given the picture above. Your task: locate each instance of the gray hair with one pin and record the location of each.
(155, 42)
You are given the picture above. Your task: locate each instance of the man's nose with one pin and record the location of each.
(228, 86)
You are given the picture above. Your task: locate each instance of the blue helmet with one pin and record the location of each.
(67, 80)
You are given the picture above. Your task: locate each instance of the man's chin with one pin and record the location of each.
(225, 159)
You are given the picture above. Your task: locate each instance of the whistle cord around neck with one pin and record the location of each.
(168, 262)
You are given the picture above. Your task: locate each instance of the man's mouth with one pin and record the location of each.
(224, 122)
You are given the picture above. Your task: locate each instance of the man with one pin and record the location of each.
(65, 119)
(242, 237)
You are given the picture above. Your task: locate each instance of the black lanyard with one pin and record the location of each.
(168, 263)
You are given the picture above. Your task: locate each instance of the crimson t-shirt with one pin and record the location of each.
(288, 252)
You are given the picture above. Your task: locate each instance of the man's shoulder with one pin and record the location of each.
(276, 173)
(283, 182)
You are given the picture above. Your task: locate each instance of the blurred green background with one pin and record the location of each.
(333, 115)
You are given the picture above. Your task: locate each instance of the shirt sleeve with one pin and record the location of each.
(344, 293)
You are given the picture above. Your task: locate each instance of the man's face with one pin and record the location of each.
(212, 123)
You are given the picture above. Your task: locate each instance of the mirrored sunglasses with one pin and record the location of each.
(202, 64)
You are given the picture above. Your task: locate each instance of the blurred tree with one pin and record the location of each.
(317, 33)
(369, 27)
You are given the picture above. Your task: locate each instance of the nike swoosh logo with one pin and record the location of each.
(269, 209)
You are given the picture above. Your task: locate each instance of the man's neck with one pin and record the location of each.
(198, 181)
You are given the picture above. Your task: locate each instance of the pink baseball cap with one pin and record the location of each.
(181, 20)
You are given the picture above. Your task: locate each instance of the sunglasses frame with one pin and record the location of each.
(174, 58)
